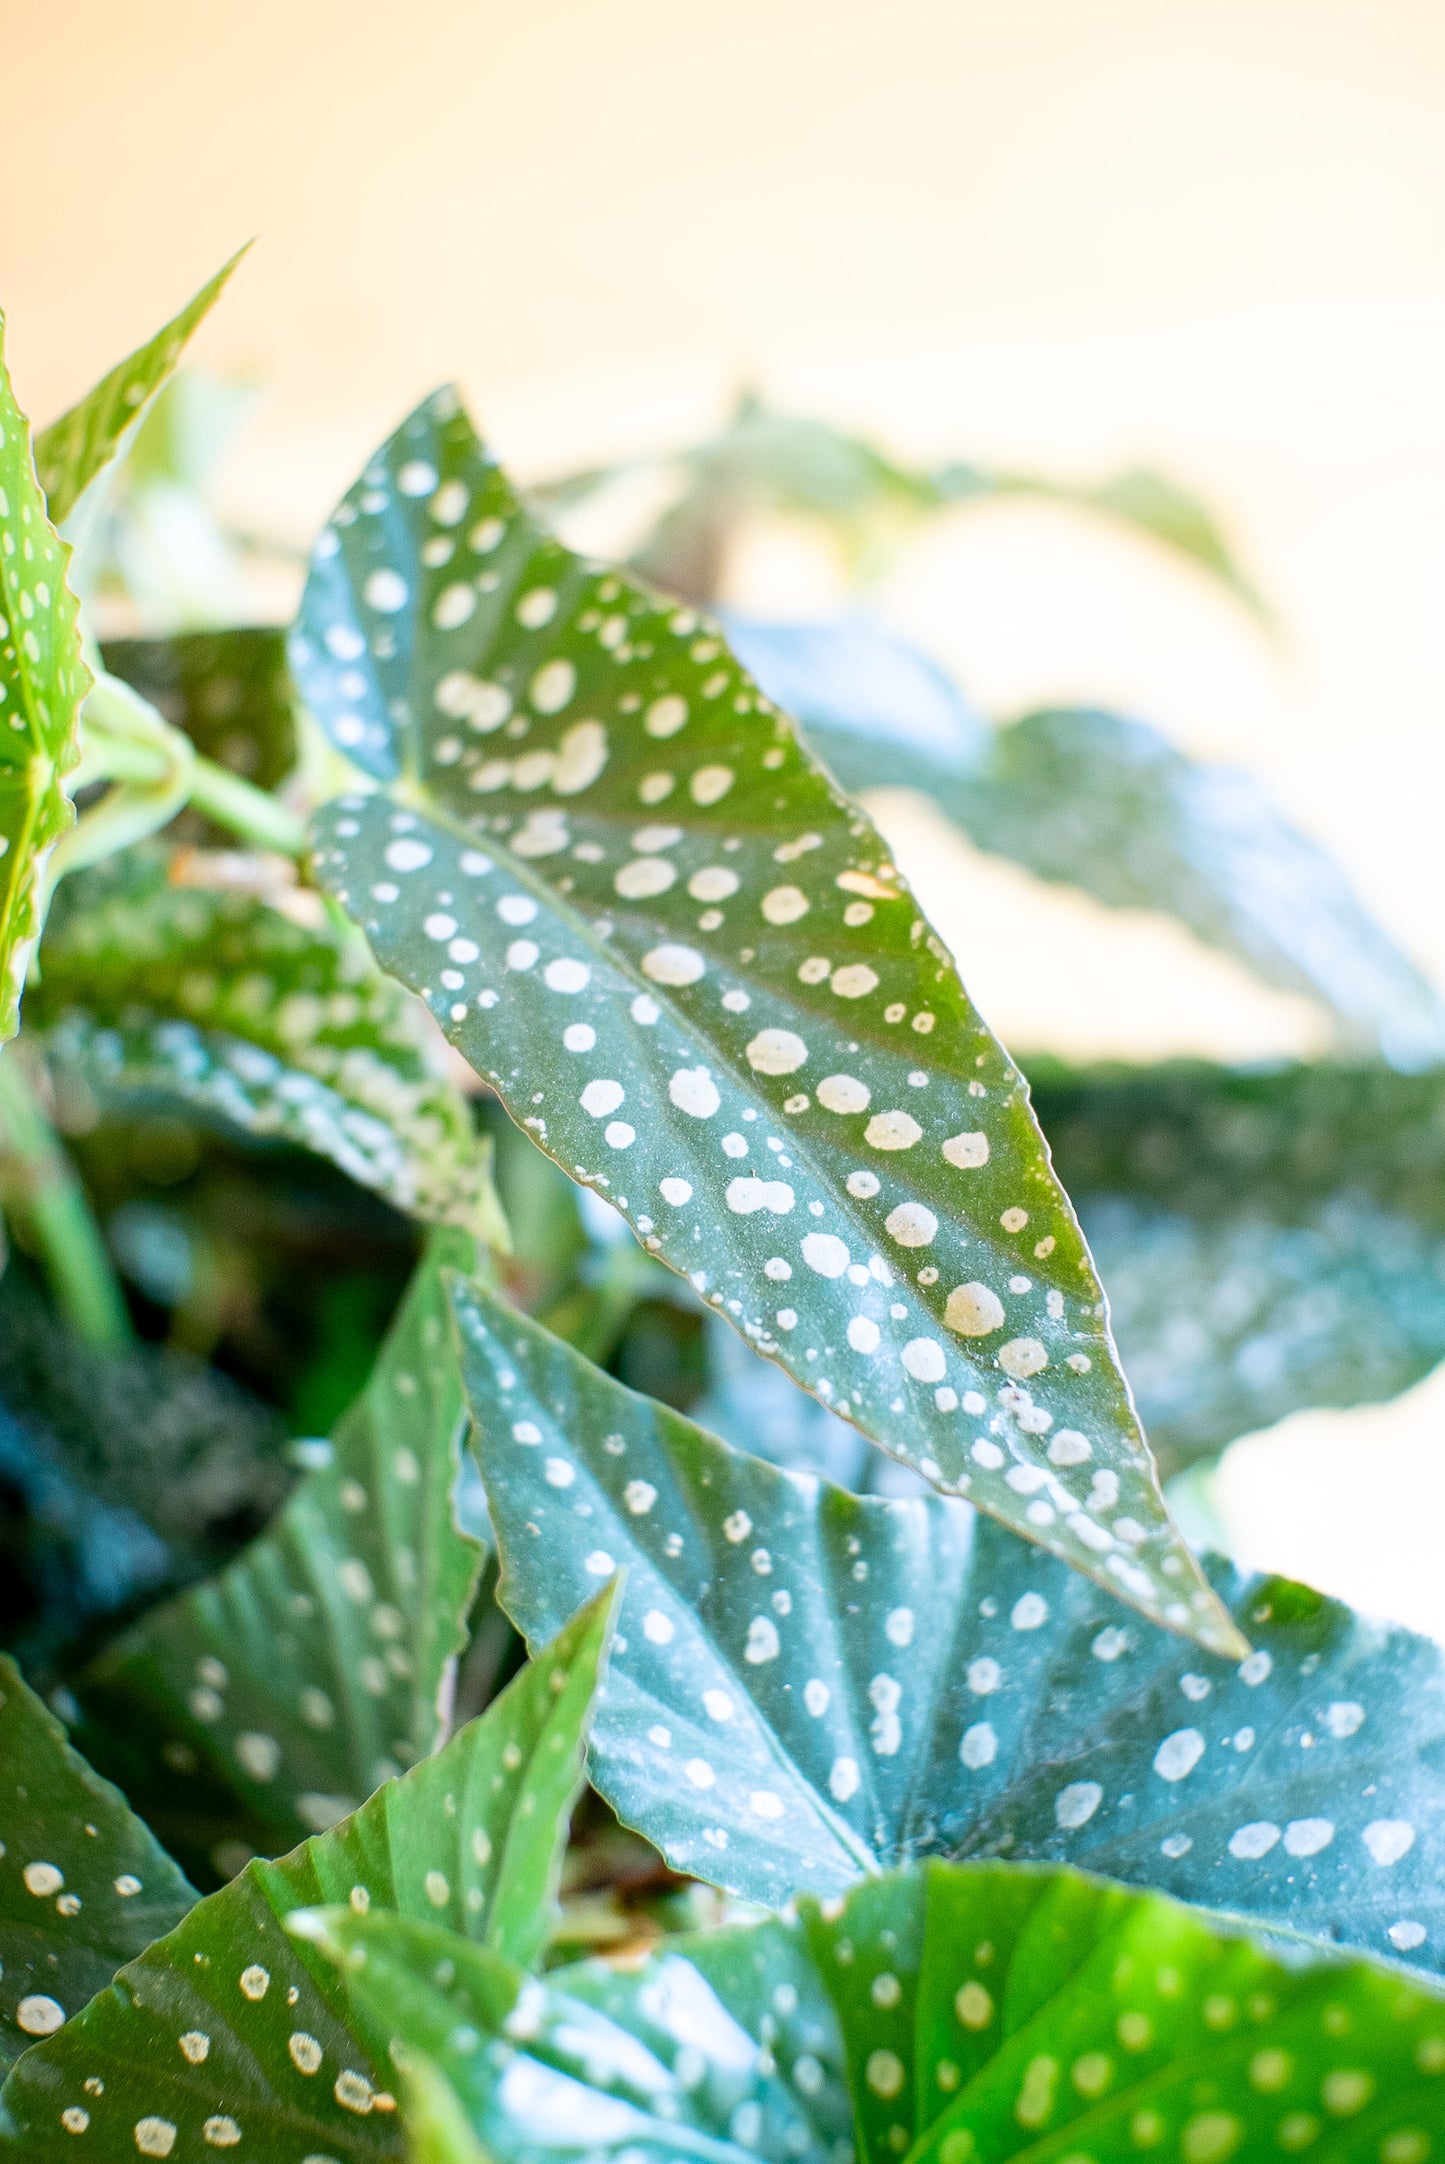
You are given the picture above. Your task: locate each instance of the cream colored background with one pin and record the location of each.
(1208, 233)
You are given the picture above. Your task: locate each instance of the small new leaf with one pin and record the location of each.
(84, 1885)
(73, 450)
(687, 966)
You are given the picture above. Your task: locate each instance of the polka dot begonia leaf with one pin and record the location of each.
(266, 1703)
(43, 681)
(1271, 1238)
(74, 449)
(975, 2014)
(809, 1685)
(647, 917)
(84, 1885)
(233, 2033)
(265, 1018)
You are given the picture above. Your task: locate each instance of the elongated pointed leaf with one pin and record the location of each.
(73, 450)
(84, 1885)
(1271, 1239)
(231, 2031)
(1107, 804)
(277, 1027)
(809, 1685)
(268, 1702)
(43, 682)
(789, 1097)
(980, 2013)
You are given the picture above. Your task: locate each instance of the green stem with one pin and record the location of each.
(38, 1185)
(250, 813)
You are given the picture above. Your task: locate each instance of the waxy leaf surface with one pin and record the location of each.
(974, 2013)
(809, 1685)
(279, 1027)
(74, 449)
(685, 963)
(84, 1885)
(43, 681)
(232, 2031)
(268, 1702)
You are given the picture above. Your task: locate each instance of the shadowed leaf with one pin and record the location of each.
(266, 1018)
(268, 1702)
(84, 1885)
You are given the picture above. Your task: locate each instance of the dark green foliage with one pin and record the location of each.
(123, 1476)
(230, 2029)
(83, 1885)
(268, 1703)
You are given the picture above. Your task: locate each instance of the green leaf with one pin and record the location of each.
(84, 1885)
(978, 2013)
(790, 1098)
(43, 682)
(1271, 1239)
(228, 690)
(1106, 804)
(233, 2031)
(724, 2048)
(809, 1685)
(268, 1702)
(264, 1015)
(764, 463)
(73, 450)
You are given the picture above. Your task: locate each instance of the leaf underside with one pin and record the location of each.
(789, 1097)
(43, 681)
(810, 1685)
(281, 1028)
(233, 2031)
(983, 2013)
(267, 1703)
(84, 1885)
